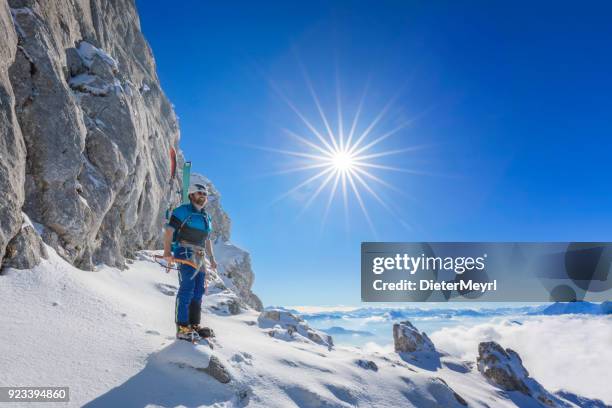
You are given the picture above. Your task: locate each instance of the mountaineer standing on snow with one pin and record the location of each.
(187, 233)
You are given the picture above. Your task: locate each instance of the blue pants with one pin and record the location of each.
(188, 307)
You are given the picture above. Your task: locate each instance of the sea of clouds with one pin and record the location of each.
(570, 352)
(567, 351)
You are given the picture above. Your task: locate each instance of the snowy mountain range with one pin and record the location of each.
(391, 313)
(604, 308)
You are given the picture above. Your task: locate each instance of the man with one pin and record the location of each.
(189, 228)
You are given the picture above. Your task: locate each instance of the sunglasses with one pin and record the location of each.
(201, 188)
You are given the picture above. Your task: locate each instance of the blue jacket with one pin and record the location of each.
(190, 225)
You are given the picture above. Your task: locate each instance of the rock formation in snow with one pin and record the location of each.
(505, 369)
(407, 339)
(287, 326)
(26, 249)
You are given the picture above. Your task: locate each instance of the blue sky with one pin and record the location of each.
(512, 103)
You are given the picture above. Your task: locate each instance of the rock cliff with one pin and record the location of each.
(86, 130)
(85, 138)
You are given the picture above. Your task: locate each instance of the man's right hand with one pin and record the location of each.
(168, 258)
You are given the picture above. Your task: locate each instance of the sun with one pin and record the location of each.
(345, 161)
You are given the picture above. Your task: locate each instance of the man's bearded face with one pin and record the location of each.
(199, 199)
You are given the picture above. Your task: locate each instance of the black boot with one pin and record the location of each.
(195, 313)
(203, 332)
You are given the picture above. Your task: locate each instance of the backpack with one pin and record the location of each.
(189, 225)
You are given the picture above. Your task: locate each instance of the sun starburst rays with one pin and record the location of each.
(343, 159)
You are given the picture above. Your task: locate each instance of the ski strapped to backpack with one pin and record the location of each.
(183, 192)
(186, 180)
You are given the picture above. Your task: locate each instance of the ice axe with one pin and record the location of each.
(168, 267)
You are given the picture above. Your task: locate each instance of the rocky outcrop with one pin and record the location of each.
(285, 325)
(85, 130)
(222, 222)
(234, 262)
(26, 249)
(505, 369)
(367, 364)
(407, 339)
(216, 370)
(235, 271)
(502, 367)
(12, 146)
(241, 273)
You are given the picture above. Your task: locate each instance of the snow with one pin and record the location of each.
(87, 83)
(118, 87)
(27, 222)
(109, 336)
(95, 85)
(128, 87)
(228, 254)
(83, 200)
(87, 52)
(186, 354)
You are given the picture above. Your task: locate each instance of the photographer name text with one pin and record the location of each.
(413, 264)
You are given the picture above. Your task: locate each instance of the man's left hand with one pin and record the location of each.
(213, 264)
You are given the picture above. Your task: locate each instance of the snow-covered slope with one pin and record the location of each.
(109, 336)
